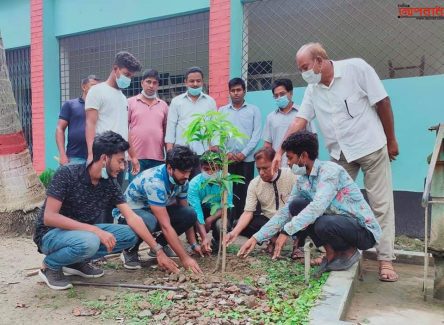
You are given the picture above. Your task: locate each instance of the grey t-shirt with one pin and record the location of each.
(276, 126)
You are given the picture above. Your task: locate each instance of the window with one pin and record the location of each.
(169, 46)
(275, 29)
(18, 61)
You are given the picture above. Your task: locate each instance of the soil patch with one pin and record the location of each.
(253, 290)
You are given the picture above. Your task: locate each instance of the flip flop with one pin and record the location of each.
(297, 254)
(344, 263)
(390, 268)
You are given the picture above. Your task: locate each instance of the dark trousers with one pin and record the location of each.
(259, 220)
(181, 218)
(245, 169)
(339, 231)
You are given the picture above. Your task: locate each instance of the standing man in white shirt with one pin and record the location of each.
(356, 119)
(182, 108)
(107, 107)
(280, 119)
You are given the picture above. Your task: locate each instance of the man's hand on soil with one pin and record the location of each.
(166, 263)
(191, 264)
(247, 247)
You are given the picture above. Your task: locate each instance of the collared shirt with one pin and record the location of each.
(331, 191)
(271, 196)
(248, 120)
(73, 112)
(276, 126)
(346, 110)
(112, 107)
(81, 200)
(197, 193)
(180, 115)
(147, 125)
(152, 187)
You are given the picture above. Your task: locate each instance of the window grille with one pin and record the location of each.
(18, 61)
(170, 46)
(370, 29)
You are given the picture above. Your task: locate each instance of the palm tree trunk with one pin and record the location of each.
(21, 191)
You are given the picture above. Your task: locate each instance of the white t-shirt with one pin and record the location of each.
(112, 107)
(346, 110)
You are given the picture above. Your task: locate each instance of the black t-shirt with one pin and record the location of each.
(73, 112)
(81, 200)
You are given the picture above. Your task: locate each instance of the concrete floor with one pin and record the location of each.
(376, 302)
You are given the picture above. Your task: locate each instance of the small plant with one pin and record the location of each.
(213, 129)
(46, 176)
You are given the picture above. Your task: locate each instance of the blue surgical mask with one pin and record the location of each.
(214, 175)
(123, 81)
(194, 91)
(172, 180)
(299, 170)
(104, 173)
(282, 102)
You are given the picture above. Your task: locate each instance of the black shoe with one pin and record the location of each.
(130, 259)
(55, 279)
(214, 247)
(83, 269)
(343, 263)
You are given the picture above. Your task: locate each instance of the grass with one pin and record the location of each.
(289, 299)
(128, 306)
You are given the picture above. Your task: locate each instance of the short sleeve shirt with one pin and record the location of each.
(73, 112)
(147, 124)
(346, 111)
(270, 195)
(152, 187)
(81, 200)
(276, 127)
(112, 107)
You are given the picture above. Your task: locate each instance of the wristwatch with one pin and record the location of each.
(157, 248)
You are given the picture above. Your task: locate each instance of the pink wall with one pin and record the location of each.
(38, 117)
(219, 50)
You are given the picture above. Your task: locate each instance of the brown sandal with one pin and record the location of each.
(384, 276)
(297, 254)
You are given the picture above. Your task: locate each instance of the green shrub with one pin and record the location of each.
(46, 176)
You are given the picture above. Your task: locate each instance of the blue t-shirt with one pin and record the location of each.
(73, 112)
(152, 187)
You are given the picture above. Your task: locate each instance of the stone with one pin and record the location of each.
(144, 305)
(173, 277)
(102, 298)
(160, 316)
(250, 301)
(182, 278)
(145, 313)
(232, 289)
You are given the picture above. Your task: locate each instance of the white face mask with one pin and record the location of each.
(148, 96)
(299, 170)
(311, 77)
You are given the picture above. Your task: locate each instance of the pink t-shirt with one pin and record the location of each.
(147, 126)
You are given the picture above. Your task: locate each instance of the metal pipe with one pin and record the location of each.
(307, 261)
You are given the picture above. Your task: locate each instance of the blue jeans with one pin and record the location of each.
(66, 247)
(76, 161)
(144, 165)
(181, 218)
